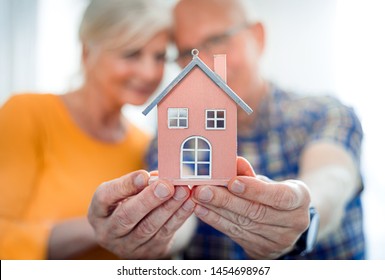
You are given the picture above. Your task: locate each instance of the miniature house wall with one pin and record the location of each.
(197, 126)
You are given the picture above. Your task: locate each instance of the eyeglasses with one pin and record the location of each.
(213, 45)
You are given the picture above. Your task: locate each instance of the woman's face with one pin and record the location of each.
(125, 75)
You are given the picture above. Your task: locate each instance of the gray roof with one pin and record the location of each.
(197, 62)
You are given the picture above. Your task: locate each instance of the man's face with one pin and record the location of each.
(214, 31)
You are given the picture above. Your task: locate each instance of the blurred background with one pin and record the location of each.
(313, 46)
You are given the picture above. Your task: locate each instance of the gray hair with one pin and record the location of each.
(118, 22)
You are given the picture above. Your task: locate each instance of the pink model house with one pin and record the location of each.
(197, 125)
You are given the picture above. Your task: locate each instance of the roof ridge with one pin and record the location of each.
(196, 61)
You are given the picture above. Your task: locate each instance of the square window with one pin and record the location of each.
(216, 119)
(177, 117)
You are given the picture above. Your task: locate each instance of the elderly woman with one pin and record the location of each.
(55, 149)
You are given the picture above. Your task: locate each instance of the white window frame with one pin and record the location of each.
(215, 119)
(195, 161)
(178, 118)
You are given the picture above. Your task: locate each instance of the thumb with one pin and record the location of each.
(244, 167)
(109, 194)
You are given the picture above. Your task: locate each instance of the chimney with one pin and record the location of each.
(220, 66)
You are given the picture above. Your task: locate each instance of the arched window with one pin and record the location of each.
(196, 158)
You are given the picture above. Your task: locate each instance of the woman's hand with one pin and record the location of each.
(135, 220)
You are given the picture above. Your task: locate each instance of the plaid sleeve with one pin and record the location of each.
(340, 124)
(152, 155)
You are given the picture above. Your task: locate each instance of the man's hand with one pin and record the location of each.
(263, 216)
(137, 221)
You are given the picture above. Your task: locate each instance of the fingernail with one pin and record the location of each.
(237, 187)
(188, 205)
(139, 180)
(201, 211)
(180, 194)
(205, 194)
(161, 190)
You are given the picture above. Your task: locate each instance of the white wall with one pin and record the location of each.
(58, 51)
(360, 72)
(17, 46)
(314, 46)
(299, 51)
(339, 47)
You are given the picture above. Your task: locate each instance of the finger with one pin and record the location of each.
(108, 194)
(281, 197)
(286, 195)
(154, 173)
(176, 220)
(130, 212)
(265, 242)
(224, 225)
(168, 230)
(258, 220)
(150, 225)
(242, 230)
(264, 178)
(244, 168)
(237, 209)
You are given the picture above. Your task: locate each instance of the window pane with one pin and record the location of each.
(203, 169)
(188, 156)
(204, 156)
(172, 113)
(203, 145)
(188, 170)
(221, 114)
(173, 122)
(182, 123)
(220, 124)
(183, 113)
(190, 144)
(210, 114)
(210, 124)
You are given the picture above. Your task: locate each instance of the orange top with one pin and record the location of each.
(49, 169)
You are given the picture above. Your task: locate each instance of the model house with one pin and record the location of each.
(197, 125)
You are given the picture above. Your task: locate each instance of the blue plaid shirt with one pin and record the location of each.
(285, 125)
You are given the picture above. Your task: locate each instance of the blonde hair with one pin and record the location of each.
(117, 22)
